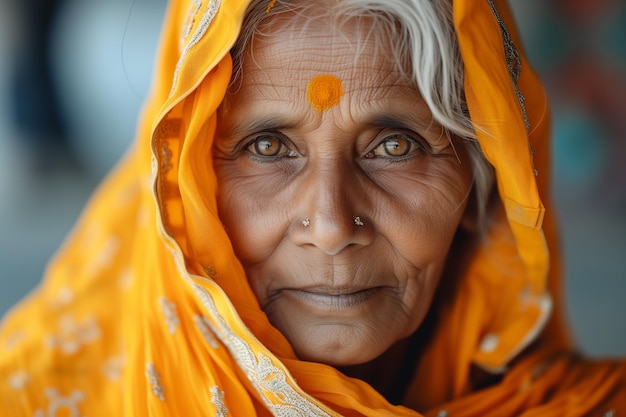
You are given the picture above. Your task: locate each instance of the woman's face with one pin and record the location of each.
(316, 135)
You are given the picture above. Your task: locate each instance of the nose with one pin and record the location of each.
(333, 211)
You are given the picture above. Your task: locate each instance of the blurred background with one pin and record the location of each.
(74, 74)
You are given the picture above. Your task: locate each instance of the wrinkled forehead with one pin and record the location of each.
(290, 50)
(317, 28)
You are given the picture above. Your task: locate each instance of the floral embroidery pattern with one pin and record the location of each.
(112, 368)
(64, 297)
(142, 216)
(125, 279)
(19, 379)
(14, 339)
(104, 257)
(154, 379)
(73, 334)
(168, 309)
(217, 398)
(59, 403)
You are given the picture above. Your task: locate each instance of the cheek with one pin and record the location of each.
(255, 223)
(424, 212)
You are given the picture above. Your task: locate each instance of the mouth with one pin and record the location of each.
(333, 298)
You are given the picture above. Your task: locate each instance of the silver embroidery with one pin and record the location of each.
(168, 309)
(166, 157)
(274, 380)
(14, 339)
(194, 8)
(179, 262)
(104, 257)
(154, 379)
(125, 279)
(112, 368)
(142, 216)
(73, 334)
(128, 194)
(217, 398)
(209, 13)
(63, 298)
(206, 329)
(268, 379)
(153, 168)
(19, 379)
(59, 403)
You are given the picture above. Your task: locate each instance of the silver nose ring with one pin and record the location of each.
(356, 219)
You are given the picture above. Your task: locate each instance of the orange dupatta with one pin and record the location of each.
(147, 311)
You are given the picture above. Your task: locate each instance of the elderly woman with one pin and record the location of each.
(334, 207)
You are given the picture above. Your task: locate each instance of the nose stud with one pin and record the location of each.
(356, 219)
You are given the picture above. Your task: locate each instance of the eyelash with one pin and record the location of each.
(252, 151)
(415, 145)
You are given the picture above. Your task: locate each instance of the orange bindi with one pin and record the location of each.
(324, 91)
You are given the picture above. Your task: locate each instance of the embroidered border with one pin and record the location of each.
(264, 375)
(211, 10)
(513, 59)
(514, 64)
(190, 20)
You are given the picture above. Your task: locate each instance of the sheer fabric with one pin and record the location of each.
(146, 311)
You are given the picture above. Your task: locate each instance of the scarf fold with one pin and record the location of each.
(146, 311)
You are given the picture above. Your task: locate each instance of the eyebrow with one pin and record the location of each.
(258, 124)
(418, 121)
(431, 131)
(400, 121)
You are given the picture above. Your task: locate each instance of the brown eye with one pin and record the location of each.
(267, 146)
(394, 147)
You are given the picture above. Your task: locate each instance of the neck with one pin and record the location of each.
(390, 373)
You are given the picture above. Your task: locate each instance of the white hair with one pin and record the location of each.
(423, 44)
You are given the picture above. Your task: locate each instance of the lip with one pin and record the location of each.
(334, 298)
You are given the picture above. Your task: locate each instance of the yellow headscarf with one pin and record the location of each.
(147, 311)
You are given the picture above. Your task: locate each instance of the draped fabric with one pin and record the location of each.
(146, 311)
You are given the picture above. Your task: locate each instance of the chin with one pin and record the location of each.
(337, 358)
(339, 347)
